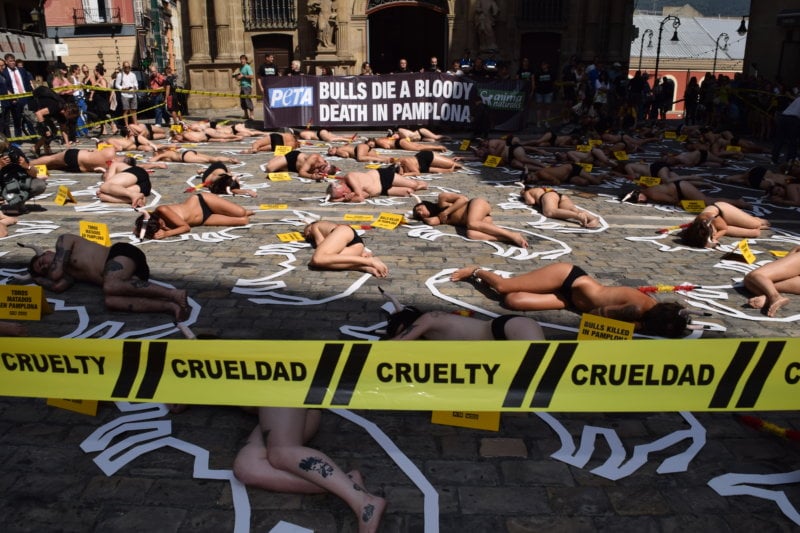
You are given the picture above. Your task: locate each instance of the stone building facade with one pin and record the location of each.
(342, 34)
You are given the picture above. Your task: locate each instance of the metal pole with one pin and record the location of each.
(675, 23)
(649, 33)
(716, 49)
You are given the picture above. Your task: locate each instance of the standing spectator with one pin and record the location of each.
(366, 69)
(295, 68)
(569, 82)
(788, 132)
(708, 90)
(691, 97)
(127, 83)
(267, 68)
(543, 87)
(244, 75)
(433, 67)
(525, 75)
(665, 97)
(19, 82)
(176, 102)
(79, 97)
(157, 82)
(402, 66)
(455, 68)
(5, 109)
(100, 100)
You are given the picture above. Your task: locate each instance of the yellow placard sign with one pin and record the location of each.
(594, 327)
(101, 146)
(670, 134)
(282, 149)
(693, 206)
(357, 218)
(779, 253)
(85, 407)
(388, 221)
(265, 207)
(492, 161)
(22, 302)
(41, 171)
(488, 420)
(682, 138)
(744, 249)
(586, 166)
(733, 148)
(177, 128)
(373, 165)
(621, 155)
(293, 236)
(64, 195)
(464, 145)
(584, 147)
(648, 181)
(595, 142)
(95, 232)
(279, 176)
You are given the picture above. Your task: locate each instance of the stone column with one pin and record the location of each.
(198, 31)
(222, 15)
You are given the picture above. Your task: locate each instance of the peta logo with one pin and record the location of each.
(291, 97)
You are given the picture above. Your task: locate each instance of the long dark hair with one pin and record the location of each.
(223, 183)
(150, 226)
(433, 209)
(666, 319)
(401, 319)
(697, 234)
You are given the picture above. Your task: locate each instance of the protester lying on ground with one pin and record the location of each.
(307, 165)
(553, 204)
(768, 282)
(673, 193)
(425, 162)
(270, 142)
(201, 209)
(358, 186)
(339, 247)
(718, 220)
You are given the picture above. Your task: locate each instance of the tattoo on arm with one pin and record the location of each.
(315, 464)
(112, 266)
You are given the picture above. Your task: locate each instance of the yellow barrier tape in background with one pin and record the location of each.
(564, 376)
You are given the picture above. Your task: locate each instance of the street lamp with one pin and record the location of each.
(724, 47)
(649, 33)
(742, 27)
(676, 22)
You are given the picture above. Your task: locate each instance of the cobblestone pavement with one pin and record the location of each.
(486, 481)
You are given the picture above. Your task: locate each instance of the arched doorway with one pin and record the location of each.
(415, 32)
(279, 45)
(542, 46)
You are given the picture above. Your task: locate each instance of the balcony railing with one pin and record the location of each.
(269, 15)
(87, 17)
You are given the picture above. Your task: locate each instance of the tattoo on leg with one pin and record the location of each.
(112, 266)
(369, 511)
(315, 464)
(139, 284)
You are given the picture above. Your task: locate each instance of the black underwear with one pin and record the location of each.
(149, 129)
(275, 139)
(71, 160)
(387, 178)
(142, 179)
(546, 192)
(424, 158)
(291, 160)
(576, 171)
(703, 156)
(130, 251)
(656, 167)
(233, 127)
(720, 211)
(499, 326)
(214, 166)
(207, 212)
(183, 154)
(553, 138)
(755, 176)
(565, 291)
(356, 239)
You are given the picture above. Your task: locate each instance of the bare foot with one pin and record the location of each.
(3, 230)
(773, 306)
(7, 221)
(463, 273)
(520, 241)
(182, 300)
(138, 201)
(371, 512)
(757, 302)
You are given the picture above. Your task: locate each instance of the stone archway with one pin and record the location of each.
(411, 30)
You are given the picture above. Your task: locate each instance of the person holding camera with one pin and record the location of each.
(244, 75)
(17, 183)
(157, 84)
(127, 83)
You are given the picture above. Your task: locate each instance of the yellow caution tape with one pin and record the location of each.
(566, 376)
